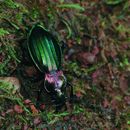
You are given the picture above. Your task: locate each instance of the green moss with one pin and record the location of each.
(9, 56)
(11, 4)
(3, 32)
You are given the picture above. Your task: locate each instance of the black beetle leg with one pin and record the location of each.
(63, 45)
(73, 97)
(39, 94)
(71, 92)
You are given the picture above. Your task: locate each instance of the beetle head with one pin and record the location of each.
(55, 82)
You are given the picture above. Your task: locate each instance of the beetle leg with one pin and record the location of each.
(63, 45)
(73, 97)
(71, 91)
(39, 93)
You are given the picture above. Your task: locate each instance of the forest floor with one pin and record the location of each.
(96, 63)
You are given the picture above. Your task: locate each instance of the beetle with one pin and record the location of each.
(47, 55)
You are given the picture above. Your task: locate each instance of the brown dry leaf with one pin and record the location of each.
(9, 111)
(86, 58)
(96, 74)
(102, 35)
(27, 101)
(42, 106)
(79, 94)
(114, 104)
(105, 103)
(37, 120)
(18, 109)
(42, 2)
(95, 50)
(127, 99)
(123, 83)
(25, 127)
(103, 55)
(110, 71)
(30, 129)
(33, 108)
(3, 114)
(44, 128)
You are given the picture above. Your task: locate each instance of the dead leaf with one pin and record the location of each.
(25, 127)
(102, 35)
(123, 83)
(66, 118)
(95, 50)
(74, 118)
(42, 106)
(9, 111)
(18, 109)
(33, 108)
(86, 58)
(78, 94)
(27, 101)
(96, 74)
(103, 55)
(37, 120)
(114, 104)
(3, 114)
(127, 99)
(105, 103)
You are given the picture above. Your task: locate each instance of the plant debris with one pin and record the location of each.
(96, 62)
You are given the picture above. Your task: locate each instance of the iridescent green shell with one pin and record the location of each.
(44, 49)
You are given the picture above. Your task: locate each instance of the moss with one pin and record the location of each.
(11, 4)
(9, 57)
(3, 32)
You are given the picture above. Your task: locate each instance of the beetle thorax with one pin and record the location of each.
(57, 78)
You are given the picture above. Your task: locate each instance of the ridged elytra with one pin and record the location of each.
(44, 50)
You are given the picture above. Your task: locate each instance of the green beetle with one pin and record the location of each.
(47, 56)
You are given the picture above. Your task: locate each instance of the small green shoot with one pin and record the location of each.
(113, 2)
(71, 6)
